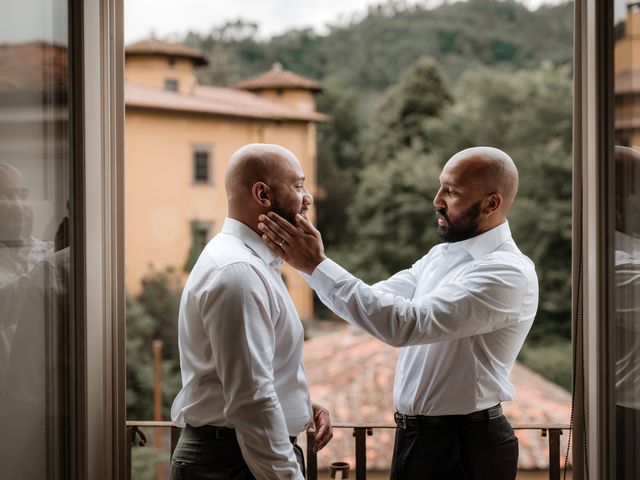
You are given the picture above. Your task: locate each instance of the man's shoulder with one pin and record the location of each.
(226, 249)
(509, 255)
(226, 261)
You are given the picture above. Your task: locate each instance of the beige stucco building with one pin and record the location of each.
(178, 137)
(626, 63)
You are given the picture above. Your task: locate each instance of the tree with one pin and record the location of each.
(339, 159)
(390, 220)
(420, 94)
(152, 315)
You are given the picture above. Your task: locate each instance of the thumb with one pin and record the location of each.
(312, 427)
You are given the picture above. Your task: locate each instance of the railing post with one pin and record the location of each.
(131, 437)
(175, 436)
(554, 453)
(361, 451)
(312, 458)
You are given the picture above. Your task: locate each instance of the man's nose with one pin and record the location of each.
(307, 199)
(437, 200)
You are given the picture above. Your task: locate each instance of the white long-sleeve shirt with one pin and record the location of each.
(240, 341)
(460, 314)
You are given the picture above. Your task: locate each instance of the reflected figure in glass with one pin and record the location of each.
(627, 311)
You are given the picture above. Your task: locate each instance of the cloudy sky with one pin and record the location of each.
(172, 18)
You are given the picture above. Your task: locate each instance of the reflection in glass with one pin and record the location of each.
(627, 311)
(626, 256)
(35, 166)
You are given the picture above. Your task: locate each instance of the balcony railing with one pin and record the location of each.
(136, 436)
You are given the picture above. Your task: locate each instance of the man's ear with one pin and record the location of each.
(493, 203)
(261, 194)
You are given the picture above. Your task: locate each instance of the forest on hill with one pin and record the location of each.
(371, 53)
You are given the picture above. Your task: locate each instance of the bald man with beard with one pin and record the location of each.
(459, 315)
(244, 398)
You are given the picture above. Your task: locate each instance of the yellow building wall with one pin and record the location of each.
(162, 200)
(627, 59)
(153, 71)
(295, 98)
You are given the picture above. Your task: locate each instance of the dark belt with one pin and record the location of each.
(417, 421)
(220, 433)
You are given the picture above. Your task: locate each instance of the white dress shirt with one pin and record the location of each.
(240, 341)
(627, 320)
(460, 314)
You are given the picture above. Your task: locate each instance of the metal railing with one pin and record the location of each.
(136, 436)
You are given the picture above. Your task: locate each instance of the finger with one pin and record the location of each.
(272, 234)
(306, 226)
(324, 433)
(267, 224)
(274, 246)
(282, 223)
(312, 427)
(322, 438)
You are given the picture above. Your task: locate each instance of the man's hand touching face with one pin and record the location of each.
(300, 246)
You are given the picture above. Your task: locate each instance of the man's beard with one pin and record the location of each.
(288, 215)
(464, 227)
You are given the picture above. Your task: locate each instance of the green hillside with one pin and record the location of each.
(372, 52)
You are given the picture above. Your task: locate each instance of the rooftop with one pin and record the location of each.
(216, 101)
(153, 46)
(351, 373)
(278, 78)
(36, 67)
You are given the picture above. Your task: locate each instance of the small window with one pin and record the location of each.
(171, 84)
(202, 165)
(200, 233)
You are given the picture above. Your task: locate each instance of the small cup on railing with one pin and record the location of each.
(339, 470)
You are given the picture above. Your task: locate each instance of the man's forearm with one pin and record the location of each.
(263, 437)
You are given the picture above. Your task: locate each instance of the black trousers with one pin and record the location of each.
(484, 450)
(212, 453)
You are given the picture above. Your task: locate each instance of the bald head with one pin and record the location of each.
(16, 215)
(256, 162)
(10, 178)
(490, 170)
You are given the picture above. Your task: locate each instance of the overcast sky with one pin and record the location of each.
(173, 18)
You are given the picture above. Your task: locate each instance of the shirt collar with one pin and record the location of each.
(486, 242)
(252, 240)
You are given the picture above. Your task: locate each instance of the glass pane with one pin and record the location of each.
(35, 296)
(201, 167)
(627, 239)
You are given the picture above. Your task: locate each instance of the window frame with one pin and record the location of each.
(171, 84)
(196, 149)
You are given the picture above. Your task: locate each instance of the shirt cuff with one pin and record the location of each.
(326, 275)
(306, 276)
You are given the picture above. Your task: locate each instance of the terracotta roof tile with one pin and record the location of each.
(351, 373)
(153, 46)
(278, 77)
(33, 68)
(215, 101)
